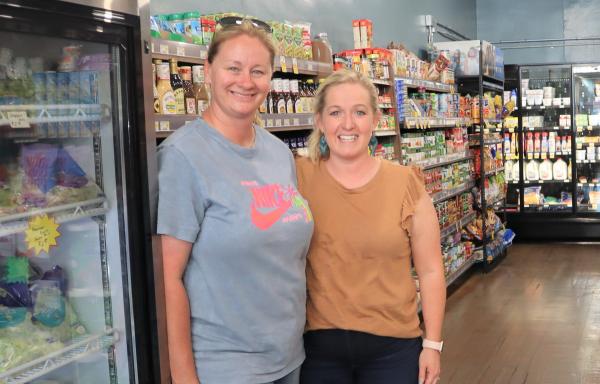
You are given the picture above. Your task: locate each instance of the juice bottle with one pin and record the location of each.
(308, 96)
(177, 86)
(166, 97)
(272, 99)
(280, 100)
(188, 90)
(199, 88)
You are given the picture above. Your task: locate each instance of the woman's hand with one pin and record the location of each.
(429, 366)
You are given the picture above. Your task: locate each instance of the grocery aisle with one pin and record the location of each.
(534, 319)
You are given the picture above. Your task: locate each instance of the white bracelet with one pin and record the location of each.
(433, 345)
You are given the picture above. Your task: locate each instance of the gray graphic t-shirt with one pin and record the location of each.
(251, 229)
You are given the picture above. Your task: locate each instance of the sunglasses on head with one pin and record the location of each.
(228, 21)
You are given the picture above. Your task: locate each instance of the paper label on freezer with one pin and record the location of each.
(18, 119)
(41, 234)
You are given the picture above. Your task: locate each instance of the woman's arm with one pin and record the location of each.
(175, 254)
(427, 256)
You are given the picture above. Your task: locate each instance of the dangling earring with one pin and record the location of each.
(323, 147)
(372, 145)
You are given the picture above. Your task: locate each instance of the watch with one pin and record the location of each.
(433, 345)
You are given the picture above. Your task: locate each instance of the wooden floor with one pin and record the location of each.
(534, 319)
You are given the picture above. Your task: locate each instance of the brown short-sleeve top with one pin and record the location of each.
(358, 265)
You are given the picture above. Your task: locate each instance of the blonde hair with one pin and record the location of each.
(343, 76)
(246, 28)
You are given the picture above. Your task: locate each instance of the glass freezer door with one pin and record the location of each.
(64, 293)
(586, 82)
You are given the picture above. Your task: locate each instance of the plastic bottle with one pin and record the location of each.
(321, 48)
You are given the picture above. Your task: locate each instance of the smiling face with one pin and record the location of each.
(239, 77)
(347, 121)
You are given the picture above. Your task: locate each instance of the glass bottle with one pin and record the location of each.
(199, 88)
(188, 90)
(177, 86)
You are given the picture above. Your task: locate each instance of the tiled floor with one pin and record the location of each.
(534, 319)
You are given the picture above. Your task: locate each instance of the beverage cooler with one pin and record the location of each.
(75, 284)
(554, 185)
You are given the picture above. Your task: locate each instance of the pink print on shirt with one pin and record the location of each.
(271, 202)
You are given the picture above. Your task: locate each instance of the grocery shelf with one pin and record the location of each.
(494, 171)
(435, 122)
(80, 348)
(567, 181)
(495, 200)
(588, 128)
(587, 161)
(381, 81)
(433, 86)
(166, 124)
(554, 128)
(445, 195)
(588, 185)
(451, 278)
(22, 116)
(167, 49)
(436, 162)
(279, 122)
(543, 107)
(18, 222)
(555, 205)
(385, 132)
(457, 226)
(486, 142)
(197, 54)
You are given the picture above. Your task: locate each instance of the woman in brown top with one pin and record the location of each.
(372, 218)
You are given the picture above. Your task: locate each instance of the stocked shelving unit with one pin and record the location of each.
(283, 125)
(415, 131)
(482, 77)
(563, 202)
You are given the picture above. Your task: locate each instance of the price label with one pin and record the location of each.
(152, 46)
(164, 49)
(283, 63)
(18, 119)
(269, 122)
(295, 65)
(542, 107)
(180, 51)
(286, 122)
(546, 205)
(551, 155)
(203, 54)
(164, 125)
(541, 181)
(41, 234)
(543, 156)
(579, 146)
(579, 129)
(590, 127)
(526, 181)
(529, 157)
(311, 66)
(278, 122)
(556, 128)
(296, 121)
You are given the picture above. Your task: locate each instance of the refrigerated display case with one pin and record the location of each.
(73, 275)
(556, 153)
(586, 104)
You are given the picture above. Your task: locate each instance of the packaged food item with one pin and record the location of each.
(533, 196)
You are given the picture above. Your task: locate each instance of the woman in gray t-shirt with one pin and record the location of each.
(234, 228)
